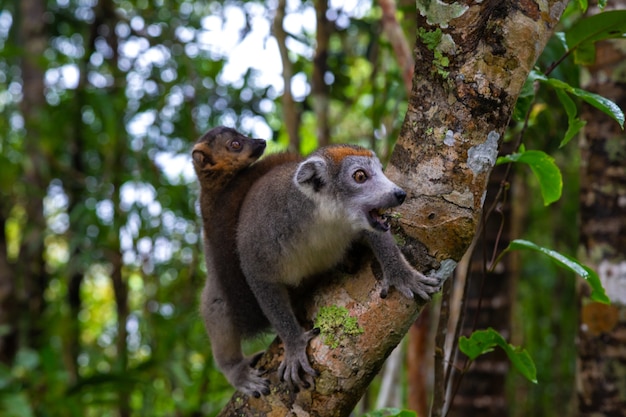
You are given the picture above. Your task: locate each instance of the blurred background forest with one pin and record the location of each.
(100, 250)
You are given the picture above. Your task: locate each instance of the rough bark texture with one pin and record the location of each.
(601, 365)
(448, 145)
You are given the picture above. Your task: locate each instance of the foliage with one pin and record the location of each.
(597, 291)
(483, 341)
(578, 40)
(545, 170)
(583, 35)
(549, 332)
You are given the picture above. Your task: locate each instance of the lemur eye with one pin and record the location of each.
(359, 176)
(235, 145)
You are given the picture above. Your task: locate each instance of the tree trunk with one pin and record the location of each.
(30, 273)
(8, 306)
(458, 109)
(601, 364)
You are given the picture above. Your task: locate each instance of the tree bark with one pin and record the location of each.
(447, 148)
(30, 276)
(601, 364)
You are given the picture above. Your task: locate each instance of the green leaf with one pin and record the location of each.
(597, 291)
(483, 341)
(574, 124)
(573, 128)
(601, 103)
(586, 32)
(544, 168)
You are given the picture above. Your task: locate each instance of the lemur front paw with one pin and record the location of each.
(296, 360)
(410, 284)
(247, 379)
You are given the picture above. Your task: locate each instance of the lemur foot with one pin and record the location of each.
(296, 360)
(247, 379)
(412, 283)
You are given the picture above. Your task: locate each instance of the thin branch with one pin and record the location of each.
(439, 397)
(319, 89)
(290, 109)
(398, 41)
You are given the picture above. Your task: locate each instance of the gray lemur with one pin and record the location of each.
(298, 220)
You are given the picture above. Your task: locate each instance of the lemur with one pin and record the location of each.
(296, 221)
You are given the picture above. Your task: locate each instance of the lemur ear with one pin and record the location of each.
(201, 158)
(312, 173)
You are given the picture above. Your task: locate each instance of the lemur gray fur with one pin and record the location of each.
(298, 220)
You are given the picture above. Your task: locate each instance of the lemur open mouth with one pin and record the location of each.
(379, 219)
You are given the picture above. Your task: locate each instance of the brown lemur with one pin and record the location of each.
(293, 218)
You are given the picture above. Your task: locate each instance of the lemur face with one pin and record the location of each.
(368, 191)
(225, 149)
(348, 182)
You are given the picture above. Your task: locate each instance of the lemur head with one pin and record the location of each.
(224, 150)
(348, 181)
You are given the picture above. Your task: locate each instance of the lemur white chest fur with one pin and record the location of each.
(329, 236)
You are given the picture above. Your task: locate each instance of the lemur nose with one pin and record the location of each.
(400, 195)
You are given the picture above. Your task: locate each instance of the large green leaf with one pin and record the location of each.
(484, 341)
(601, 103)
(547, 172)
(583, 34)
(588, 274)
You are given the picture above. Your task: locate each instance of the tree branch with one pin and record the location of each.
(398, 41)
(290, 110)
